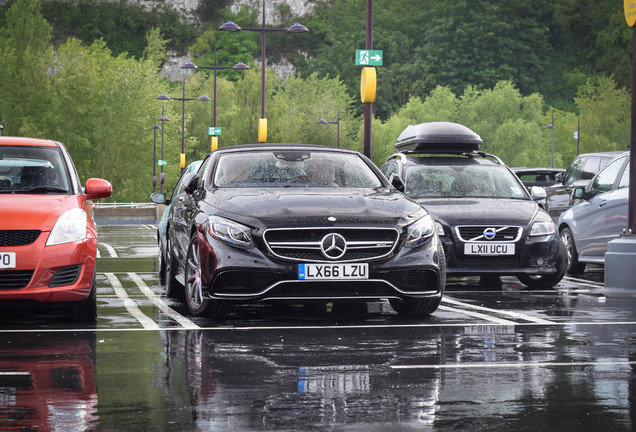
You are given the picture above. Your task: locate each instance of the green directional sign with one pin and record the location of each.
(214, 131)
(368, 57)
(162, 162)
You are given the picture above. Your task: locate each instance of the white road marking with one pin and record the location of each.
(130, 304)
(330, 327)
(513, 365)
(110, 249)
(585, 282)
(516, 315)
(479, 315)
(185, 322)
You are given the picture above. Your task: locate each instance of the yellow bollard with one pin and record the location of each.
(262, 130)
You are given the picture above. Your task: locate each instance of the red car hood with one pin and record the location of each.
(35, 212)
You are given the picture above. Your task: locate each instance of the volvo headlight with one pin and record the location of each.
(230, 232)
(70, 227)
(420, 231)
(542, 228)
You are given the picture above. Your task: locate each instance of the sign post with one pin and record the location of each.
(620, 271)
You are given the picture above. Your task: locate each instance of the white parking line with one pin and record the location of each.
(110, 249)
(585, 282)
(338, 327)
(185, 322)
(513, 365)
(130, 304)
(479, 315)
(516, 315)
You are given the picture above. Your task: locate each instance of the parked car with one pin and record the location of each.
(579, 173)
(599, 217)
(487, 220)
(48, 238)
(177, 194)
(299, 223)
(541, 177)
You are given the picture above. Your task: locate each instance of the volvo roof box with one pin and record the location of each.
(438, 137)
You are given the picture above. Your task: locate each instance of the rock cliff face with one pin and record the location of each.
(187, 8)
(273, 17)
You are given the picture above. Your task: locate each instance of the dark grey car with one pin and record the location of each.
(299, 223)
(487, 220)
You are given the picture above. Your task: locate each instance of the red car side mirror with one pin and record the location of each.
(98, 188)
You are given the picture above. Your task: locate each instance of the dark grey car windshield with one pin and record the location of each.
(458, 181)
(293, 168)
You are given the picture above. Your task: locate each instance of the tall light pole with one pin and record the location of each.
(337, 122)
(238, 66)
(296, 28)
(551, 126)
(368, 107)
(155, 126)
(162, 119)
(183, 100)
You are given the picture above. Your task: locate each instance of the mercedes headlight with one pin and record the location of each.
(420, 231)
(230, 232)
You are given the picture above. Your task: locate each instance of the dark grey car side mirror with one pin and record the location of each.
(397, 182)
(190, 182)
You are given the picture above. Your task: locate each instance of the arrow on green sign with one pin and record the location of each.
(214, 131)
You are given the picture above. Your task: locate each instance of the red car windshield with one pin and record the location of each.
(33, 169)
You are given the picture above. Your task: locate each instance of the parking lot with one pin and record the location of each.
(495, 355)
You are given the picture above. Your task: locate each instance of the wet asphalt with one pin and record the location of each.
(495, 356)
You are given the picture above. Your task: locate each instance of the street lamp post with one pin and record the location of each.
(162, 119)
(296, 28)
(238, 66)
(155, 126)
(337, 123)
(183, 100)
(551, 126)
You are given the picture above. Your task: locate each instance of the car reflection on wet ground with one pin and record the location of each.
(495, 356)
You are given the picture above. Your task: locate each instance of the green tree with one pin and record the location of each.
(605, 111)
(103, 110)
(24, 68)
(300, 103)
(483, 42)
(155, 51)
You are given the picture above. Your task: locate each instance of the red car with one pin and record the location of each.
(48, 238)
